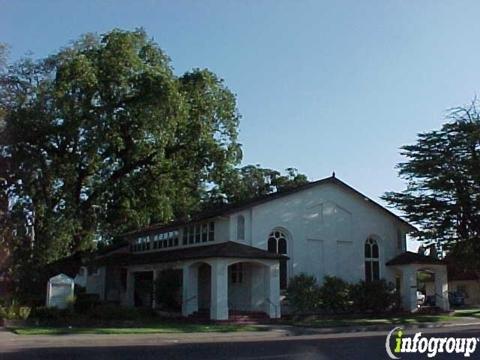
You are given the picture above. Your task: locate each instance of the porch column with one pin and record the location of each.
(441, 288)
(409, 288)
(219, 290)
(154, 288)
(273, 285)
(189, 290)
(130, 294)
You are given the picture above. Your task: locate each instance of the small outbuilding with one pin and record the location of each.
(60, 289)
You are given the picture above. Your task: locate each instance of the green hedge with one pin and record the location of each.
(336, 296)
(14, 312)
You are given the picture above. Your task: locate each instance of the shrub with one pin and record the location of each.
(374, 296)
(52, 315)
(15, 312)
(108, 312)
(302, 293)
(85, 302)
(24, 312)
(334, 294)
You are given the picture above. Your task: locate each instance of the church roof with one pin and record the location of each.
(223, 210)
(409, 257)
(229, 249)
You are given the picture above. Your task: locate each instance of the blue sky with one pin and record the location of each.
(321, 85)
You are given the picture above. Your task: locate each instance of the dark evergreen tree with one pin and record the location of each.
(442, 197)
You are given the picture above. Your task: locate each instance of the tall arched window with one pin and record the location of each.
(277, 244)
(372, 260)
(240, 227)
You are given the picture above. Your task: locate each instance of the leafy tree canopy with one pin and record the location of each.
(240, 184)
(103, 137)
(442, 197)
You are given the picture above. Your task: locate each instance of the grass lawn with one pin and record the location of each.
(393, 320)
(467, 313)
(160, 328)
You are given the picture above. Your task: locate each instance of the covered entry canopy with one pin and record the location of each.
(407, 264)
(218, 284)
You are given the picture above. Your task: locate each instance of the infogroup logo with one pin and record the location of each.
(397, 344)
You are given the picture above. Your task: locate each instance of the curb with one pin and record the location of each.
(298, 330)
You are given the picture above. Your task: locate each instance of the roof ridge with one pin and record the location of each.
(225, 209)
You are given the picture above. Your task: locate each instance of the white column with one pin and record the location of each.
(441, 288)
(154, 288)
(189, 289)
(273, 291)
(219, 290)
(130, 296)
(409, 288)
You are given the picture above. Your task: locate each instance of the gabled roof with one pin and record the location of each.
(227, 209)
(229, 249)
(409, 257)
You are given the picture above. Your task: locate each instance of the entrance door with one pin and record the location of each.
(204, 287)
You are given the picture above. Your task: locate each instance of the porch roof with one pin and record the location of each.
(409, 257)
(229, 249)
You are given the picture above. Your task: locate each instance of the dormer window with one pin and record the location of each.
(198, 233)
(162, 240)
(204, 232)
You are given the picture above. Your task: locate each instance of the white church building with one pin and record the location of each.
(240, 257)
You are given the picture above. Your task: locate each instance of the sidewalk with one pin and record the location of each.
(11, 342)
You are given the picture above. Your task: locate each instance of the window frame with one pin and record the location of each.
(275, 238)
(372, 260)
(237, 273)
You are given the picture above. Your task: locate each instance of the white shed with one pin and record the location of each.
(60, 289)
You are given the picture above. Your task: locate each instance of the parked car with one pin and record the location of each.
(420, 297)
(456, 298)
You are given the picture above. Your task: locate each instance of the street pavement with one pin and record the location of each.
(245, 346)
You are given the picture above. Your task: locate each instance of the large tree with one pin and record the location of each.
(442, 196)
(103, 137)
(250, 181)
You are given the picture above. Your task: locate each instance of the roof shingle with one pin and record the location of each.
(409, 257)
(229, 249)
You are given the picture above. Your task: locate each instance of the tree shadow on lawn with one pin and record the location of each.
(163, 328)
(342, 321)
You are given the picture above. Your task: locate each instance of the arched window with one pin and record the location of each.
(240, 227)
(372, 261)
(277, 244)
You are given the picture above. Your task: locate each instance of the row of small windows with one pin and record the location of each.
(159, 241)
(192, 234)
(164, 240)
(198, 233)
(141, 243)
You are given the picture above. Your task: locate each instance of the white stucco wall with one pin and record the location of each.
(327, 228)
